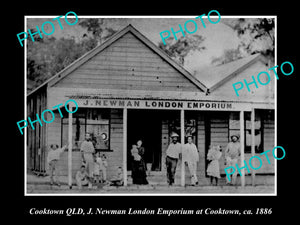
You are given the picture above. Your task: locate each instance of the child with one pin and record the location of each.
(97, 167)
(104, 166)
(81, 177)
(213, 169)
(118, 179)
(52, 159)
(135, 153)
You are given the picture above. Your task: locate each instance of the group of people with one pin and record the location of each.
(92, 170)
(232, 154)
(94, 165)
(190, 156)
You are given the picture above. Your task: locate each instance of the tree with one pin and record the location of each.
(97, 28)
(228, 55)
(179, 49)
(256, 35)
(47, 56)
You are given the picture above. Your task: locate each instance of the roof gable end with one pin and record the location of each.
(87, 56)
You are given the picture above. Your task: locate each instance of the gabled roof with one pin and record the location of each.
(213, 77)
(56, 78)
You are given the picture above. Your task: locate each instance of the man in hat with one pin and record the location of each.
(232, 153)
(87, 152)
(172, 156)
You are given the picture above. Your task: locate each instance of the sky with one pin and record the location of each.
(218, 37)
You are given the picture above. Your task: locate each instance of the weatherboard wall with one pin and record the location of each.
(127, 64)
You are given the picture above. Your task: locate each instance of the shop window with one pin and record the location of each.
(78, 129)
(258, 132)
(93, 121)
(269, 116)
(234, 129)
(190, 127)
(97, 124)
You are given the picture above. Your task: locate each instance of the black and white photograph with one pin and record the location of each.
(130, 115)
(150, 105)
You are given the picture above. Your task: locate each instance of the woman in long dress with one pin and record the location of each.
(213, 169)
(138, 164)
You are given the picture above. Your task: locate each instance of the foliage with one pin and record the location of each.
(47, 56)
(179, 49)
(257, 35)
(228, 55)
(96, 27)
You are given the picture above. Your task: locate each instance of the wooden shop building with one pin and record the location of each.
(128, 89)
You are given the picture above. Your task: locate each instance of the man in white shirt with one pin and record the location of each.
(191, 157)
(52, 159)
(172, 156)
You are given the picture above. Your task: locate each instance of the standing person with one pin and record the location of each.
(141, 150)
(138, 166)
(213, 169)
(172, 156)
(104, 168)
(147, 156)
(98, 165)
(191, 157)
(52, 159)
(87, 152)
(232, 153)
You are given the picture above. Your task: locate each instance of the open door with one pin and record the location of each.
(145, 125)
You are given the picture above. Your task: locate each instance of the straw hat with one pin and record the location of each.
(174, 135)
(235, 135)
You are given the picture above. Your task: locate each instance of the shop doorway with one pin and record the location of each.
(145, 125)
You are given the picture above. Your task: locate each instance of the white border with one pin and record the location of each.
(144, 194)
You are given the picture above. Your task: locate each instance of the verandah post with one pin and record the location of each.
(242, 137)
(125, 146)
(253, 142)
(70, 147)
(182, 143)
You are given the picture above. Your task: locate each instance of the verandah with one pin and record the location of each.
(182, 135)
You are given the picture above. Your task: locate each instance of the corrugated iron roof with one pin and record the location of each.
(214, 75)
